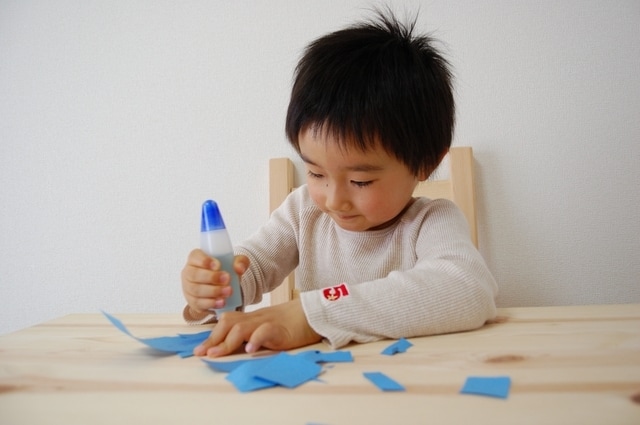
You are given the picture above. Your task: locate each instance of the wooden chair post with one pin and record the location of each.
(462, 186)
(281, 183)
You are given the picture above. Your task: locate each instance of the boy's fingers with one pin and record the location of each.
(197, 275)
(212, 341)
(269, 336)
(231, 343)
(204, 304)
(224, 330)
(198, 258)
(240, 264)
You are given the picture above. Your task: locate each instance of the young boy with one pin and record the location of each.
(371, 114)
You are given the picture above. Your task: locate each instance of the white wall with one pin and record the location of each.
(118, 118)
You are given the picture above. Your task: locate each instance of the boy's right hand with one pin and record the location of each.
(204, 285)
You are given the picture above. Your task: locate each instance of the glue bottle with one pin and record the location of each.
(215, 242)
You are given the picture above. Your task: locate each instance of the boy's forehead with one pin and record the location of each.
(361, 166)
(345, 140)
(316, 148)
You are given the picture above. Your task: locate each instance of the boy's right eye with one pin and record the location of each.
(314, 175)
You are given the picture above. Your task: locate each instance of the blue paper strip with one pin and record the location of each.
(497, 386)
(228, 366)
(283, 369)
(314, 356)
(399, 346)
(383, 382)
(200, 336)
(288, 370)
(182, 344)
(244, 377)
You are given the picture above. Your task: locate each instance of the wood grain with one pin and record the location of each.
(578, 364)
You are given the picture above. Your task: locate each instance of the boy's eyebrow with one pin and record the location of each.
(356, 167)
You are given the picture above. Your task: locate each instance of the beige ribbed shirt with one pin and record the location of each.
(420, 276)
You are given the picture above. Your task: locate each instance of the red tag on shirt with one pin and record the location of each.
(335, 292)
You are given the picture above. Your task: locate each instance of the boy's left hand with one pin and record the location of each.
(280, 327)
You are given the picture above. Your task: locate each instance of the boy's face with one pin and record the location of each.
(359, 190)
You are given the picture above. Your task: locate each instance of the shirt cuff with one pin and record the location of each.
(193, 318)
(317, 318)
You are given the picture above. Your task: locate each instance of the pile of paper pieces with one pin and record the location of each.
(282, 369)
(292, 370)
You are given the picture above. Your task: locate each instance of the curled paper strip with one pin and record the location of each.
(181, 344)
(399, 346)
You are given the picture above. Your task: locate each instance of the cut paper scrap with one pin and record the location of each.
(245, 379)
(314, 356)
(288, 371)
(283, 369)
(181, 344)
(400, 346)
(383, 382)
(228, 366)
(496, 386)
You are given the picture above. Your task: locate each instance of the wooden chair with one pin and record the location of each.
(458, 187)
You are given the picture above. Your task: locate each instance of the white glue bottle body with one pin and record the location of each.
(215, 242)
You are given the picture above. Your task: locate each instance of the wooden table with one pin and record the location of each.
(568, 365)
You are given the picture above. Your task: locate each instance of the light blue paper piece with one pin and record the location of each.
(199, 337)
(227, 366)
(314, 356)
(288, 370)
(182, 344)
(244, 376)
(383, 382)
(283, 369)
(400, 346)
(496, 386)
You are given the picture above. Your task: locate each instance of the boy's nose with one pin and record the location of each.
(336, 198)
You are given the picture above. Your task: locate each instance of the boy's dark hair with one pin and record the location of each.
(376, 81)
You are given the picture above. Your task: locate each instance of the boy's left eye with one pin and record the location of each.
(361, 184)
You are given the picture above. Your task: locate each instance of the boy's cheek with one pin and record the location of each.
(316, 196)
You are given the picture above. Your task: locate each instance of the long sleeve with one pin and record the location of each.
(420, 276)
(427, 279)
(272, 251)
